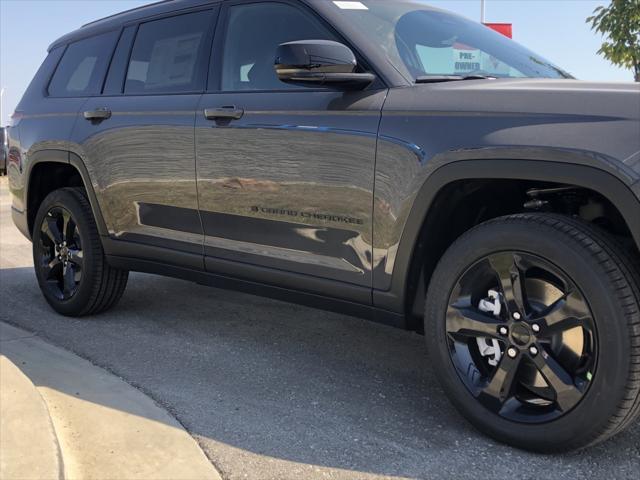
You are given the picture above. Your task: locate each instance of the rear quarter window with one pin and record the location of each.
(82, 68)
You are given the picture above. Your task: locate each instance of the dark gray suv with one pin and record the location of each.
(381, 158)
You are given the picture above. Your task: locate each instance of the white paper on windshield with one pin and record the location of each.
(351, 5)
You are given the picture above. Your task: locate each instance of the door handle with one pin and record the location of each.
(101, 113)
(229, 112)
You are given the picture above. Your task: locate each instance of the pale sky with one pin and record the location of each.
(556, 29)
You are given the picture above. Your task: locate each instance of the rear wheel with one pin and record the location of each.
(69, 262)
(533, 327)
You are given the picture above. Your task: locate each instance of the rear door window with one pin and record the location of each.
(169, 55)
(82, 68)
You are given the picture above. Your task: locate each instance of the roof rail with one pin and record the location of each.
(126, 11)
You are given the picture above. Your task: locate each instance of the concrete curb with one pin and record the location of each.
(29, 442)
(106, 429)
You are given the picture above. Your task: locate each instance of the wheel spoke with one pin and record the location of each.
(51, 267)
(567, 312)
(469, 322)
(509, 270)
(567, 393)
(76, 256)
(51, 231)
(68, 225)
(500, 387)
(69, 279)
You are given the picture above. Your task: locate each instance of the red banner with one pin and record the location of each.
(505, 29)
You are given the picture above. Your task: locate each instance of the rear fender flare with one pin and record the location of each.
(70, 158)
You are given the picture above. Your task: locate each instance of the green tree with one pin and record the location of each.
(620, 24)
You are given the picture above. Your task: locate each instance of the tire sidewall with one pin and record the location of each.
(606, 391)
(67, 199)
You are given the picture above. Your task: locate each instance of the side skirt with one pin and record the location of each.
(198, 275)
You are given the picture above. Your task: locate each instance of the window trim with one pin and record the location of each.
(104, 75)
(123, 28)
(52, 71)
(214, 83)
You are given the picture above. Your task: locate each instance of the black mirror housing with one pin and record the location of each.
(319, 63)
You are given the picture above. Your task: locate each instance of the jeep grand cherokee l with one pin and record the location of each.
(384, 159)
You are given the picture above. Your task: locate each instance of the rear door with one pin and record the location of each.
(288, 184)
(137, 137)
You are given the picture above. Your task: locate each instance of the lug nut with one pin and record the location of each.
(517, 316)
(533, 350)
(512, 352)
(503, 330)
(535, 327)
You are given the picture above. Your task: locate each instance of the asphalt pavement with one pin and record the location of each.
(272, 390)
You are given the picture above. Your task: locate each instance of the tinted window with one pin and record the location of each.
(168, 55)
(248, 58)
(82, 68)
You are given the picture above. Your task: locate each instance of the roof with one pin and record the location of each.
(115, 21)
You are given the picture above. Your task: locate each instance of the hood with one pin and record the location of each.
(597, 119)
(535, 96)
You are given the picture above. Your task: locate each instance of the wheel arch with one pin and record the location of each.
(401, 297)
(41, 162)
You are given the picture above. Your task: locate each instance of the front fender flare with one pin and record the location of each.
(608, 185)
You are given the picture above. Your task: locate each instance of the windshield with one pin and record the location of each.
(421, 41)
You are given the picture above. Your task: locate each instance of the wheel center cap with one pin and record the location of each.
(520, 334)
(64, 251)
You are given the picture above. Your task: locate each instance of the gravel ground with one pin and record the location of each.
(278, 391)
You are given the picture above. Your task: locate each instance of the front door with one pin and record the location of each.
(285, 173)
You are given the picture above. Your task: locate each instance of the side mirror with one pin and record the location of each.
(315, 63)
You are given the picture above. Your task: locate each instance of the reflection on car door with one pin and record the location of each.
(285, 174)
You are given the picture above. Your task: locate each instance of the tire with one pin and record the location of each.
(598, 380)
(85, 284)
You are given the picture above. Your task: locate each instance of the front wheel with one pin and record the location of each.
(533, 328)
(69, 262)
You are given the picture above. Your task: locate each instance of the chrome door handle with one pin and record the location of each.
(98, 114)
(229, 112)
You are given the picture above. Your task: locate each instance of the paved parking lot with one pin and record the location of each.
(278, 391)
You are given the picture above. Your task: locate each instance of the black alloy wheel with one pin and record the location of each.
(61, 260)
(70, 265)
(521, 337)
